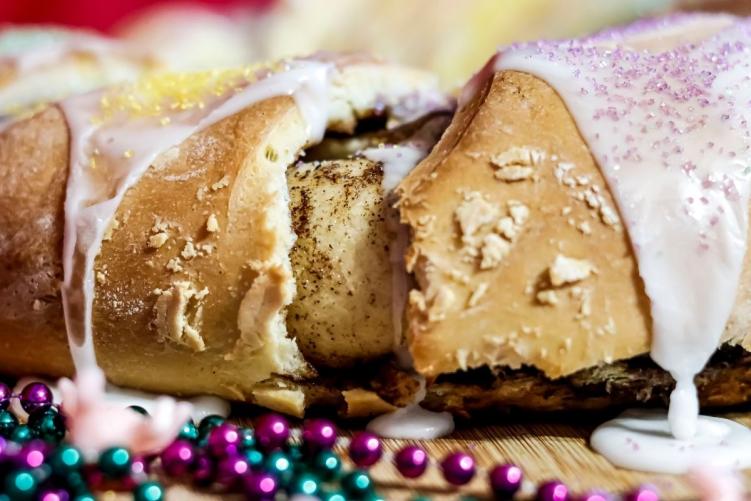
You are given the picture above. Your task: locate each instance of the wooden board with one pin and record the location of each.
(543, 450)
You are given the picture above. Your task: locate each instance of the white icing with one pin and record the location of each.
(642, 440)
(662, 106)
(413, 422)
(397, 162)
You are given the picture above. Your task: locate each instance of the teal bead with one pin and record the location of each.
(372, 496)
(22, 434)
(148, 491)
(138, 409)
(8, 423)
(66, 459)
(189, 431)
(420, 498)
(306, 483)
(357, 483)
(85, 496)
(48, 425)
(115, 462)
(5, 497)
(247, 438)
(278, 464)
(254, 457)
(209, 423)
(333, 496)
(21, 484)
(294, 452)
(76, 482)
(327, 464)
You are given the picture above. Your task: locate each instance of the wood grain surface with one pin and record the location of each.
(544, 450)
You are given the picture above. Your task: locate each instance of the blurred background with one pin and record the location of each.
(450, 37)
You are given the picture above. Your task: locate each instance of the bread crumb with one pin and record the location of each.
(179, 314)
(608, 215)
(566, 211)
(566, 270)
(584, 228)
(212, 225)
(514, 173)
(547, 297)
(36, 305)
(562, 170)
(222, 183)
(440, 300)
(494, 249)
(424, 226)
(174, 265)
(477, 294)
(205, 249)
(114, 225)
(506, 227)
(461, 358)
(592, 199)
(473, 213)
(460, 277)
(189, 251)
(516, 163)
(518, 212)
(518, 156)
(158, 239)
(101, 278)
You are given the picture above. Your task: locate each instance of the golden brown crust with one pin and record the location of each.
(516, 244)
(33, 170)
(220, 180)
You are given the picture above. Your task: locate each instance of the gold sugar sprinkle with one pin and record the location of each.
(162, 92)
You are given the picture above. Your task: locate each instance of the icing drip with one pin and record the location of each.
(662, 105)
(413, 422)
(397, 162)
(96, 422)
(642, 440)
(110, 150)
